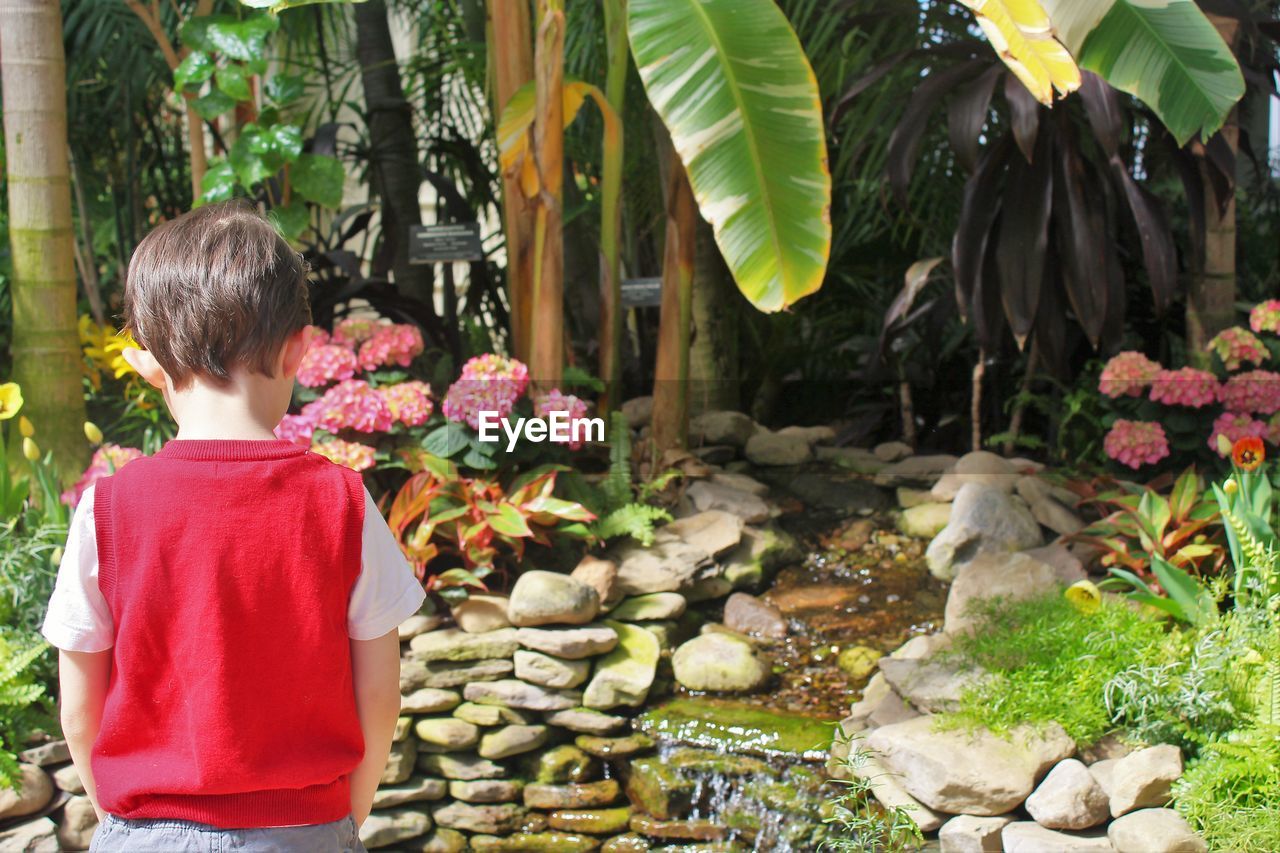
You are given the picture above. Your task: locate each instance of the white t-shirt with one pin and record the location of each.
(385, 593)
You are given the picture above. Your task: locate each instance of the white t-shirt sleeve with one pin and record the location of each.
(79, 619)
(387, 592)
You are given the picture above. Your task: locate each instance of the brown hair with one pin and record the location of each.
(214, 288)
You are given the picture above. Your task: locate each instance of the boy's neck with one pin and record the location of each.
(238, 411)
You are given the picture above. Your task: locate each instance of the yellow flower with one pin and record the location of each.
(92, 432)
(1231, 487)
(30, 449)
(1084, 596)
(10, 400)
(103, 346)
(26, 427)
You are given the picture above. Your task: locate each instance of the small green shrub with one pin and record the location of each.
(1231, 792)
(857, 823)
(24, 706)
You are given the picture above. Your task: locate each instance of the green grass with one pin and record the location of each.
(1050, 662)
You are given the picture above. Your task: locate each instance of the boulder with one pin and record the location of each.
(856, 459)
(586, 721)
(970, 834)
(34, 791)
(667, 566)
(550, 598)
(460, 766)
(837, 492)
(429, 700)
(1143, 779)
(638, 411)
(713, 531)
(442, 841)
(923, 646)
(969, 772)
(53, 752)
(399, 762)
(858, 662)
(706, 495)
(417, 790)
(773, 448)
(489, 818)
(561, 765)
(624, 675)
(385, 828)
(417, 624)
(719, 663)
(600, 575)
(929, 684)
(916, 470)
(925, 520)
(573, 643)
(68, 779)
(655, 605)
(585, 795)
(1066, 565)
(548, 671)
(446, 734)
(443, 673)
(1007, 576)
(741, 482)
(909, 497)
(813, 434)
(892, 451)
(454, 644)
(886, 788)
(511, 740)
(724, 427)
(980, 466)
(77, 824)
(1027, 836)
(487, 790)
(34, 836)
(1069, 798)
(1046, 509)
(480, 613)
(984, 519)
(749, 615)
(512, 693)
(761, 551)
(491, 715)
(1154, 831)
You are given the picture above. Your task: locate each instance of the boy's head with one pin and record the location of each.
(215, 290)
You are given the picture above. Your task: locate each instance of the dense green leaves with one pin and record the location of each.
(234, 81)
(193, 70)
(319, 178)
(243, 40)
(213, 103)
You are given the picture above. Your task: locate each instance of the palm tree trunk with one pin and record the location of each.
(46, 349)
(393, 157)
(546, 355)
(615, 17)
(671, 371)
(713, 354)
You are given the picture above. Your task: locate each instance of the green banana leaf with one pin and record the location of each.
(732, 84)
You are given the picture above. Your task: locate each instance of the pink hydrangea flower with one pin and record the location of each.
(296, 428)
(1265, 317)
(1185, 386)
(356, 456)
(1136, 443)
(327, 363)
(351, 404)
(554, 401)
(1234, 426)
(1256, 391)
(353, 331)
(316, 336)
(106, 460)
(1127, 374)
(409, 402)
(489, 383)
(1236, 346)
(391, 344)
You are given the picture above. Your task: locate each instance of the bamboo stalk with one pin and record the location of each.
(546, 356)
(615, 17)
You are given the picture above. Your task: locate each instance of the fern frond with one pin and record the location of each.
(617, 483)
(634, 520)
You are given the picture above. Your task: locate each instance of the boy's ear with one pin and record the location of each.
(295, 347)
(146, 365)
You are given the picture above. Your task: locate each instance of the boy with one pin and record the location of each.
(226, 610)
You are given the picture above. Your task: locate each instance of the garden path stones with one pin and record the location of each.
(1142, 779)
(667, 566)
(549, 671)
(623, 676)
(713, 531)
(707, 495)
(722, 427)
(747, 614)
(655, 605)
(586, 721)
(775, 448)
(984, 519)
(480, 613)
(517, 694)
(416, 791)
(969, 772)
(34, 791)
(429, 700)
(970, 834)
(1008, 576)
(384, 828)
(488, 818)
(1069, 798)
(486, 790)
(719, 663)
(77, 824)
(980, 466)
(585, 795)
(602, 576)
(466, 767)
(511, 740)
(571, 643)
(453, 644)
(1030, 837)
(550, 598)
(1154, 831)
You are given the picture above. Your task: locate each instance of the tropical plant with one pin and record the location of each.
(857, 823)
(623, 511)
(24, 704)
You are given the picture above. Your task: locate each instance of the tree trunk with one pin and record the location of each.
(671, 371)
(615, 17)
(511, 51)
(46, 348)
(713, 356)
(393, 157)
(546, 355)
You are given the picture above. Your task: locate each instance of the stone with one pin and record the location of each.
(909, 497)
(984, 519)
(638, 411)
(655, 605)
(68, 779)
(716, 454)
(480, 613)
(1109, 746)
(820, 434)
(77, 824)
(490, 715)
(980, 466)
(707, 496)
(417, 790)
(600, 575)
(447, 734)
(855, 535)
(929, 684)
(892, 795)
(416, 624)
(1069, 798)
(678, 830)
(511, 740)
(586, 720)
(892, 451)
(517, 694)
(1027, 836)
(737, 728)
(53, 752)
(572, 643)
(628, 842)
(1154, 831)
(614, 747)
(856, 459)
(891, 709)
(741, 482)
(749, 615)
(399, 762)
(925, 520)
(1143, 779)
(460, 766)
(1007, 576)
(772, 448)
(404, 725)
(667, 566)
(561, 765)
(712, 531)
(623, 676)
(550, 598)
(429, 700)
(534, 842)
(488, 818)
(486, 791)
(385, 828)
(837, 492)
(454, 644)
(34, 791)
(35, 836)
(1066, 566)
(1046, 509)
(923, 646)
(915, 470)
(719, 663)
(444, 674)
(970, 834)
(761, 551)
(548, 671)
(969, 772)
(443, 841)
(584, 795)
(858, 662)
(722, 427)
(592, 821)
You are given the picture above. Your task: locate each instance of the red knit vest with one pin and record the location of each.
(227, 566)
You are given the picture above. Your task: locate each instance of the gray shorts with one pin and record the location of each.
(166, 835)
